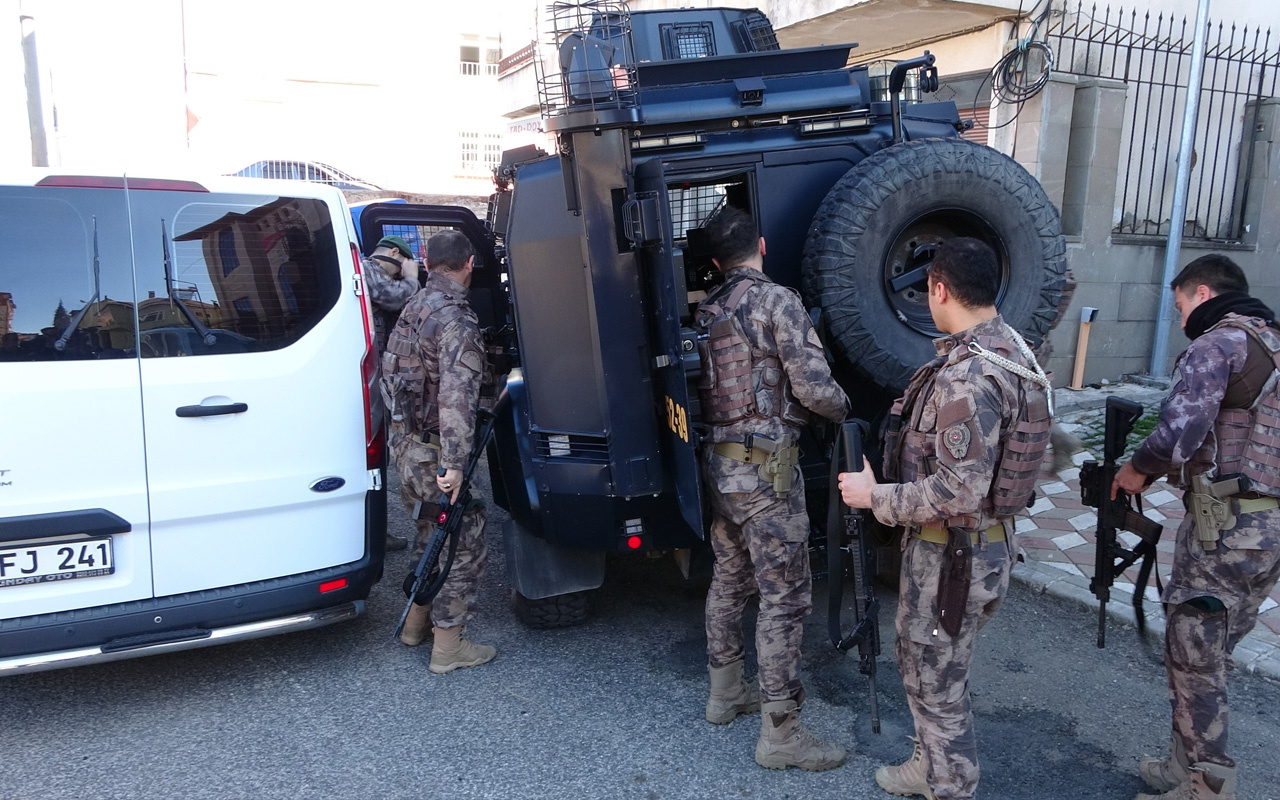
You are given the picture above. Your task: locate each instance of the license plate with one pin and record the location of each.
(56, 561)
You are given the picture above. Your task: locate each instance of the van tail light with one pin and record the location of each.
(374, 439)
(333, 586)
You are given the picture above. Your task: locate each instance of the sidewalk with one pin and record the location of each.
(1058, 538)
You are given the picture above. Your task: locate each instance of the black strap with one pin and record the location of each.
(835, 553)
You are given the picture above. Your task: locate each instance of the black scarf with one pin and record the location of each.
(1211, 312)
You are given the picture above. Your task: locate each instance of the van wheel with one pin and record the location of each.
(879, 226)
(556, 611)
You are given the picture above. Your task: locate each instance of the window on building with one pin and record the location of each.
(492, 151)
(469, 142)
(469, 60)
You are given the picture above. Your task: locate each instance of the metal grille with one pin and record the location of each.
(415, 236)
(760, 32)
(572, 447)
(588, 63)
(1153, 56)
(688, 41)
(692, 206)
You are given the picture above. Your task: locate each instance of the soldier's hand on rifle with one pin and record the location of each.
(855, 487)
(450, 483)
(1130, 480)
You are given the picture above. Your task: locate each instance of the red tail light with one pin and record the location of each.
(374, 439)
(333, 586)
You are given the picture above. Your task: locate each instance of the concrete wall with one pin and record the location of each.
(1069, 137)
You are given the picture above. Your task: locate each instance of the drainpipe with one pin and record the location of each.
(1177, 219)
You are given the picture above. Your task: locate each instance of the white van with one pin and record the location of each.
(190, 452)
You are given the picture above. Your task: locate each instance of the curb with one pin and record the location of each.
(1253, 655)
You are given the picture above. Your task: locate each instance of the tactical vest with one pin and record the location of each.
(911, 454)
(410, 387)
(1246, 432)
(738, 381)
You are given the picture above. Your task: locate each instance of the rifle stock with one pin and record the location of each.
(1112, 558)
(866, 630)
(419, 585)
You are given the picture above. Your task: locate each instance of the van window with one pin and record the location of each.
(66, 278)
(255, 273)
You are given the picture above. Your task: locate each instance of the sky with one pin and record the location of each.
(278, 79)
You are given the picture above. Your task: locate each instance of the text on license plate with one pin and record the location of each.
(56, 561)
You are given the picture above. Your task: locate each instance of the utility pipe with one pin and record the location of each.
(1177, 218)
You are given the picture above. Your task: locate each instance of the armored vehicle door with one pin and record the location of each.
(646, 217)
(418, 223)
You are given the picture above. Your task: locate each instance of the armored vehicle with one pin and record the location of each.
(594, 257)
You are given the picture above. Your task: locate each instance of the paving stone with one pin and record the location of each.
(1159, 498)
(1069, 474)
(1058, 513)
(1055, 488)
(1067, 567)
(1049, 523)
(1069, 541)
(1024, 525)
(1039, 506)
(1085, 520)
(1267, 605)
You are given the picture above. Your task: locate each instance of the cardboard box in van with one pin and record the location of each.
(190, 451)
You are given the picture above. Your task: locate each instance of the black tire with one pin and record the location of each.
(883, 220)
(556, 611)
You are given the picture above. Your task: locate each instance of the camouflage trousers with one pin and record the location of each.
(935, 667)
(1200, 634)
(760, 541)
(416, 465)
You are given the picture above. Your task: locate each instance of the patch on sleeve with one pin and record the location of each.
(472, 360)
(957, 439)
(813, 339)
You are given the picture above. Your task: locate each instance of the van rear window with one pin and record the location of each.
(213, 274)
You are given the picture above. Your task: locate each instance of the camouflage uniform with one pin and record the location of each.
(1240, 571)
(388, 296)
(966, 406)
(453, 361)
(760, 539)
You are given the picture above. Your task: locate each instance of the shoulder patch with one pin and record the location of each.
(958, 409)
(957, 439)
(812, 338)
(472, 360)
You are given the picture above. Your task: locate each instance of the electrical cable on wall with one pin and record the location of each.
(1024, 71)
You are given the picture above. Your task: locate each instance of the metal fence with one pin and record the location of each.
(1152, 54)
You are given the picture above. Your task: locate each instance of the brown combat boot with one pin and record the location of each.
(452, 650)
(1166, 774)
(731, 694)
(908, 779)
(784, 742)
(417, 625)
(395, 543)
(1206, 782)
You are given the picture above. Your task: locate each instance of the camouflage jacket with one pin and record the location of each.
(776, 324)
(1188, 413)
(966, 408)
(454, 362)
(388, 296)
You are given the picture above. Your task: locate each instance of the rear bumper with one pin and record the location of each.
(197, 619)
(185, 640)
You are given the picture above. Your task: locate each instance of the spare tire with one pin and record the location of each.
(876, 231)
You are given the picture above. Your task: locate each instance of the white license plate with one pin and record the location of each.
(55, 561)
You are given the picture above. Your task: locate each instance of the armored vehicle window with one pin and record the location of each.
(694, 40)
(230, 274)
(66, 275)
(690, 206)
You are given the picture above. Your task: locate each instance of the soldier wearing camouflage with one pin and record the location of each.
(432, 371)
(391, 278)
(973, 431)
(760, 527)
(1220, 420)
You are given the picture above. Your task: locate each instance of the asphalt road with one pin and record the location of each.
(610, 709)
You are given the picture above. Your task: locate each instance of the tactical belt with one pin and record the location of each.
(429, 439)
(739, 452)
(776, 458)
(932, 533)
(1250, 505)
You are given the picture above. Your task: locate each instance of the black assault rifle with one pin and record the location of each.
(424, 582)
(1121, 514)
(866, 629)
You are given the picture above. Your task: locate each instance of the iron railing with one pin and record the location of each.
(1153, 56)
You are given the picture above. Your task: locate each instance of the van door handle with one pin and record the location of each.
(212, 411)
